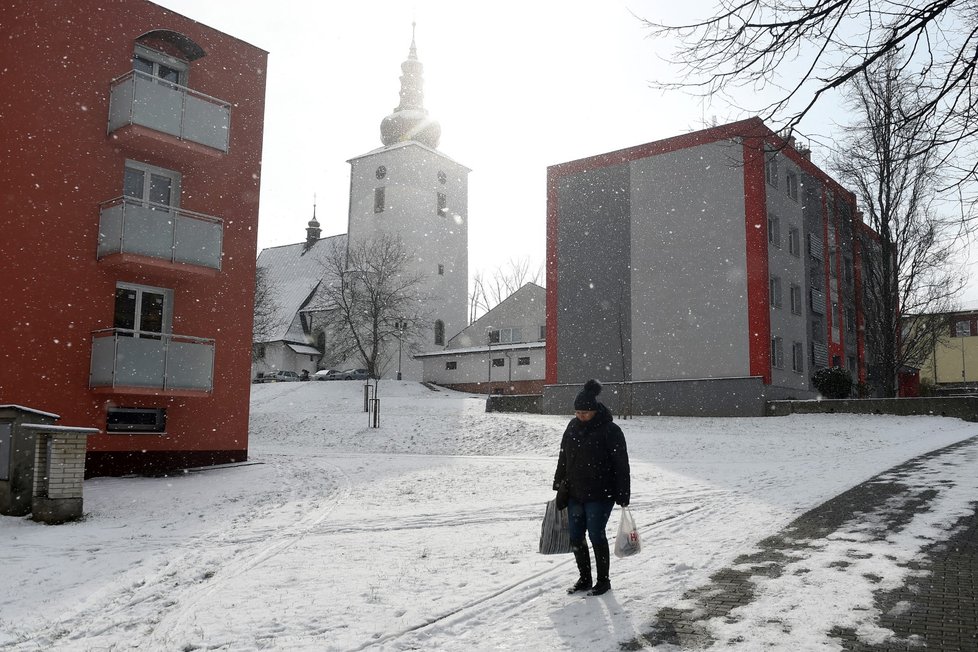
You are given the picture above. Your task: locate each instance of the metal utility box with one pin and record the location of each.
(17, 450)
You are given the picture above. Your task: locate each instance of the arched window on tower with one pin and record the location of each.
(440, 332)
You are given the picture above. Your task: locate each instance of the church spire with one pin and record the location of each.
(410, 120)
(313, 231)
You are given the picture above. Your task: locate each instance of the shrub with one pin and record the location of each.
(833, 382)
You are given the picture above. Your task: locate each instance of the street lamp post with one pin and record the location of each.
(399, 326)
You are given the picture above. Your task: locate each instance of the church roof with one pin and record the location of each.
(294, 272)
(409, 143)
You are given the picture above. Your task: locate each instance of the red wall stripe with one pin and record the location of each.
(551, 360)
(755, 223)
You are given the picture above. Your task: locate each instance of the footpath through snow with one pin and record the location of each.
(422, 534)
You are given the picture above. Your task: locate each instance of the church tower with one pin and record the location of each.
(409, 189)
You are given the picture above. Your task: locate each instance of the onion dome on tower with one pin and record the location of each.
(410, 120)
(313, 232)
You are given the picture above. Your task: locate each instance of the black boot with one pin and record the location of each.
(602, 560)
(583, 557)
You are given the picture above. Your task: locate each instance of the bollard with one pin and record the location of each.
(373, 416)
(366, 396)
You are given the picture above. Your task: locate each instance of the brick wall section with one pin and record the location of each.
(63, 474)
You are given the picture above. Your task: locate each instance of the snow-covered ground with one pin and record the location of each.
(422, 534)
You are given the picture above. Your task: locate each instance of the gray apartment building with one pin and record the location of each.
(700, 275)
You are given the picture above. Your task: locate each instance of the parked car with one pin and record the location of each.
(278, 377)
(354, 374)
(327, 374)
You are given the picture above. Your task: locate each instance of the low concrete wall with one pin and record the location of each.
(530, 403)
(963, 407)
(708, 397)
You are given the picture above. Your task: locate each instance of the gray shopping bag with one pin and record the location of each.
(554, 534)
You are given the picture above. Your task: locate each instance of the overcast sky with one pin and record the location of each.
(516, 86)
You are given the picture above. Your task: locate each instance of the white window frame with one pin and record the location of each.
(791, 185)
(167, 319)
(148, 172)
(795, 298)
(157, 58)
(775, 288)
(777, 352)
(774, 230)
(797, 357)
(771, 169)
(794, 242)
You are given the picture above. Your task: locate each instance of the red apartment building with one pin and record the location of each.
(705, 273)
(131, 140)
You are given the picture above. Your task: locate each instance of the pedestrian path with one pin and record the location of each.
(935, 609)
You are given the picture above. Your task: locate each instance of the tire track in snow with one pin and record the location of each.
(172, 624)
(161, 600)
(499, 603)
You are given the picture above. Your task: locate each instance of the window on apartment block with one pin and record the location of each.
(142, 311)
(794, 242)
(146, 183)
(791, 185)
(439, 332)
(159, 65)
(777, 353)
(135, 420)
(850, 320)
(774, 230)
(442, 205)
(451, 365)
(379, 200)
(543, 333)
(771, 169)
(523, 361)
(795, 292)
(776, 291)
(847, 270)
(797, 357)
(499, 362)
(441, 270)
(851, 361)
(962, 328)
(259, 352)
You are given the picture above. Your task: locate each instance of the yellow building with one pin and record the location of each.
(954, 360)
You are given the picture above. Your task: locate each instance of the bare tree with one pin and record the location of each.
(806, 50)
(266, 317)
(489, 292)
(369, 298)
(911, 271)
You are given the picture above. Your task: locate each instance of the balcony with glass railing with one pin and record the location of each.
(134, 360)
(138, 98)
(142, 228)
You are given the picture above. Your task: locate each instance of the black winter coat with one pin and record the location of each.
(594, 460)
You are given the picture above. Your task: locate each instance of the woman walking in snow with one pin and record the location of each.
(592, 475)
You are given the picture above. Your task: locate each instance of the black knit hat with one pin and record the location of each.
(587, 399)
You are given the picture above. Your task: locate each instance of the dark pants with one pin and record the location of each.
(591, 517)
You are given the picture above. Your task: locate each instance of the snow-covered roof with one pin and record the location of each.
(293, 273)
(483, 349)
(31, 410)
(408, 143)
(305, 349)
